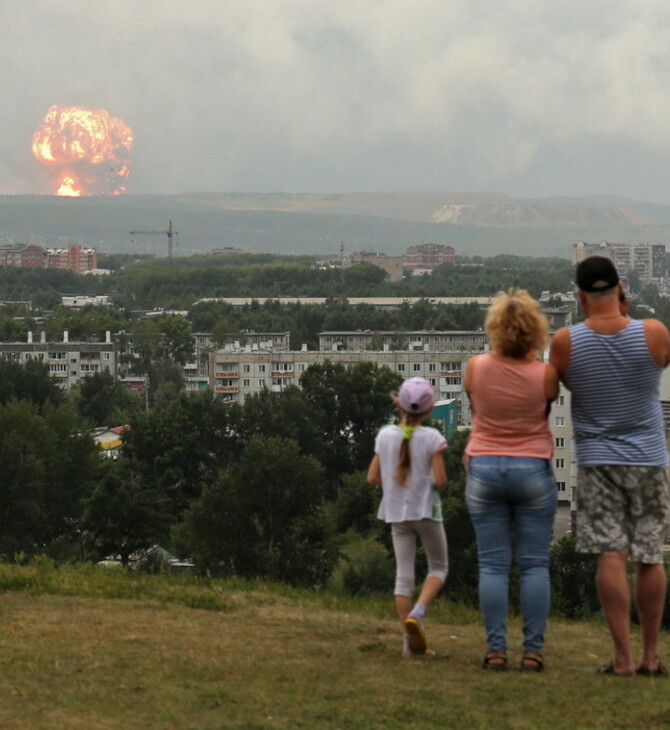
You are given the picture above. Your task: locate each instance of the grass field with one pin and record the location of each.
(87, 648)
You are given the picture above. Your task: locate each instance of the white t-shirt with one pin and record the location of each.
(418, 500)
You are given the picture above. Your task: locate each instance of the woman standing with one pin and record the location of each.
(510, 486)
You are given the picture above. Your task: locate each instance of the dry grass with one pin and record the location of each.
(275, 658)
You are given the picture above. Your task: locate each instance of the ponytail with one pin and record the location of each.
(405, 460)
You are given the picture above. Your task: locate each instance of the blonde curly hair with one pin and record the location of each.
(515, 324)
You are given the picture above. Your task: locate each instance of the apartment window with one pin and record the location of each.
(401, 367)
(560, 463)
(560, 486)
(559, 420)
(433, 382)
(301, 367)
(452, 380)
(246, 382)
(106, 355)
(246, 368)
(559, 442)
(261, 368)
(560, 401)
(432, 367)
(416, 367)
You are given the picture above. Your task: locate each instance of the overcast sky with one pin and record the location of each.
(530, 97)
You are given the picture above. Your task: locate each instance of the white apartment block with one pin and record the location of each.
(68, 362)
(456, 341)
(234, 375)
(647, 260)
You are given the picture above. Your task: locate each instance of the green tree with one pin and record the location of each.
(349, 405)
(178, 450)
(265, 517)
(102, 400)
(124, 515)
(155, 346)
(48, 465)
(28, 382)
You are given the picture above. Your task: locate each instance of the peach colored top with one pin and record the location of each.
(509, 409)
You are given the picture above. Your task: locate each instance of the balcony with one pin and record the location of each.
(227, 374)
(226, 389)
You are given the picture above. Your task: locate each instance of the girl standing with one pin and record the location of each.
(409, 467)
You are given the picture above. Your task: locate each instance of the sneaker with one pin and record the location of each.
(417, 636)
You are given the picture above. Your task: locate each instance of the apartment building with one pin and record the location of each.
(28, 255)
(454, 341)
(647, 260)
(68, 362)
(22, 255)
(429, 255)
(73, 257)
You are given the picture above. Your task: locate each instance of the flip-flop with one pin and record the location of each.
(608, 668)
(417, 636)
(660, 671)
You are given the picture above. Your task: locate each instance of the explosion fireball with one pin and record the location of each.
(87, 150)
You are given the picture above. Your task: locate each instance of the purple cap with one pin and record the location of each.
(416, 396)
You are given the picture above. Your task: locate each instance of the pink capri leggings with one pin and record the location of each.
(434, 542)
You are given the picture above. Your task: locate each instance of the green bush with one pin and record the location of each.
(365, 568)
(573, 580)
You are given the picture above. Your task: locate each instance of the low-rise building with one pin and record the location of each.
(68, 362)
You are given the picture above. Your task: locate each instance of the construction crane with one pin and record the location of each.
(169, 233)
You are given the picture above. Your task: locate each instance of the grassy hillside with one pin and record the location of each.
(315, 224)
(89, 648)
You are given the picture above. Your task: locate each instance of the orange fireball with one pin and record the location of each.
(88, 150)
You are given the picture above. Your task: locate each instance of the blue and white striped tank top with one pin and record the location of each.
(616, 412)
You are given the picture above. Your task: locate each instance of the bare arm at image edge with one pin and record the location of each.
(658, 341)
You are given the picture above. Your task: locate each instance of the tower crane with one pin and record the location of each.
(169, 233)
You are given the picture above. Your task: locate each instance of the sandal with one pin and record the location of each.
(532, 661)
(495, 661)
(660, 671)
(608, 668)
(417, 636)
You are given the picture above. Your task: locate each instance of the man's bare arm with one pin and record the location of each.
(559, 354)
(658, 341)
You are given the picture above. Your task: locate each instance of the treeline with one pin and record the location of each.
(150, 283)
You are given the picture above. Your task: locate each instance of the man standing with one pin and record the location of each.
(612, 365)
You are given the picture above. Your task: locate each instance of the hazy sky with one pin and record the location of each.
(528, 97)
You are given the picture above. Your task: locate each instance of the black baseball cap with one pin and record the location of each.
(596, 273)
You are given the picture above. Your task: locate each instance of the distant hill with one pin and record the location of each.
(474, 223)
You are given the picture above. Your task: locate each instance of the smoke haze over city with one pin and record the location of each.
(532, 99)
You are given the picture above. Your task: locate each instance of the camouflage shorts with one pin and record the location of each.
(623, 507)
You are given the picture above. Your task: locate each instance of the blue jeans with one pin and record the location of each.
(506, 494)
